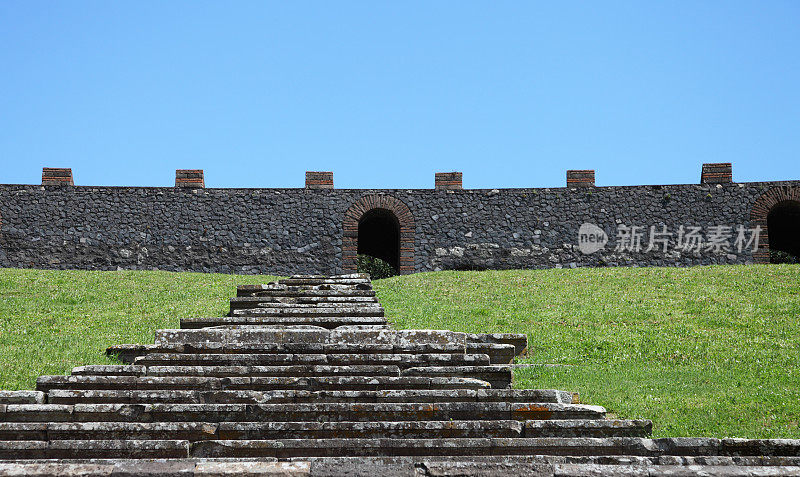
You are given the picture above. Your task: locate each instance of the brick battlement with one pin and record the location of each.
(191, 178)
(712, 173)
(448, 180)
(716, 173)
(57, 176)
(319, 180)
(580, 178)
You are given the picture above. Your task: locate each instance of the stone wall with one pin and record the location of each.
(285, 231)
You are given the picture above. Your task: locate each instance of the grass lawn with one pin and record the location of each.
(703, 351)
(708, 351)
(51, 321)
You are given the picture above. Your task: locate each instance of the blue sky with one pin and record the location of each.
(387, 93)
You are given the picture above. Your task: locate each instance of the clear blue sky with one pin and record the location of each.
(387, 93)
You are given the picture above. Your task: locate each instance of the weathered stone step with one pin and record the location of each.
(301, 284)
(292, 348)
(44, 431)
(328, 322)
(127, 353)
(276, 371)
(311, 311)
(588, 428)
(499, 376)
(321, 309)
(356, 282)
(260, 291)
(197, 431)
(613, 446)
(369, 430)
(21, 397)
(519, 341)
(280, 335)
(78, 449)
(246, 382)
(430, 429)
(303, 310)
(311, 303)
(194, 375)
(298, 299)
(501, 465)
(228, 396)
(332, 277)
(400, 360)
(293, 325)
(247, 303)
(318, 412)
(498, 353)
(110, 370)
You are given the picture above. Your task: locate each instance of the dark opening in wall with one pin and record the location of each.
(783, 224)
(379, 236)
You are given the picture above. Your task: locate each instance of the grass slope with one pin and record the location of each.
(708, 351)
(711, 351)
(51, 321)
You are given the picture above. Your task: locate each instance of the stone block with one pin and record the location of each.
(580, 178)
(57, 176)
(190, 178)
(717, 173)
(319, 180)
(448, 180)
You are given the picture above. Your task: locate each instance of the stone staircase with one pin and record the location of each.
(305, 377)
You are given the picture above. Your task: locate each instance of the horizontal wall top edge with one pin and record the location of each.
(584, 190)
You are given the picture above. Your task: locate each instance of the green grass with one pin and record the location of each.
(708, 351)
(51, 321)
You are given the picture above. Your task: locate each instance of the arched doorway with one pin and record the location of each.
(783, 222)
(379, 236)
(777, 212)
(382, 226)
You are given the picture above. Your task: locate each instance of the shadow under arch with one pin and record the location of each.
(382, 224)
(777, 212)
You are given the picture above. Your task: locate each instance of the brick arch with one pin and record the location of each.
(350, 226)
(760, 210)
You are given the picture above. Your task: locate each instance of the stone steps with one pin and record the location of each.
(328, 322)
(401, 360)
(182, 377)
(732, 451)
(247, 382)
(498, 376)
(22, 397)
(614, 446)
(314, 412)
(333, 277)
(107, 449)
(196, 431)
(298, 311)
(238, 303)
(302, 301)
(267, 334)
(354, 283)
(498, 353)
(263, 291)
(244, 396)
(307, 371)
(303, 304)
(420, 466)
(313, 307)
(310, 283)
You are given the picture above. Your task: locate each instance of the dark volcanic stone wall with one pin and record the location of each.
(284, 231)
